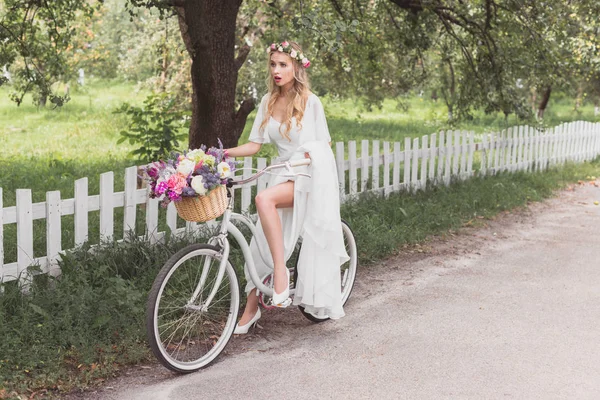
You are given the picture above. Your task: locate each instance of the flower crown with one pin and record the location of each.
(285, 47)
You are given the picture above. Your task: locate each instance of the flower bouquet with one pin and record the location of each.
(194, 181)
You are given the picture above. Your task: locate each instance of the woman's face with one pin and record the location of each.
(282, 69)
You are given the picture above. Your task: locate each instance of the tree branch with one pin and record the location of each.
(242, 114)
(242, 56)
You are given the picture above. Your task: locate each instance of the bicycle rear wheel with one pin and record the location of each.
(184, 335)
(347, 271)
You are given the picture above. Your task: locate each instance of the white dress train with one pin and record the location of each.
(315, 215)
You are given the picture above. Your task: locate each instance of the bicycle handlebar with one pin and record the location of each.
(288, 164)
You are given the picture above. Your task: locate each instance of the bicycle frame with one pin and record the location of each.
(221, 240)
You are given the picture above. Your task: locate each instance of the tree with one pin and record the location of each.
(36, 35)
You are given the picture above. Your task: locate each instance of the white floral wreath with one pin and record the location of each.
(285, 47)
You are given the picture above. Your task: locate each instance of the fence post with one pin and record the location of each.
(471, 152)
(424, 160)
(375, 171)
(441, 159)
(81, 211)
(432, 156)
(152, 219)
(407, 163)
(53, 232)
(484, 158)
(352, 173)
(339, 160)
(495, 147)
(364, 165)
(129, 204)
(456, 153)
(386, 169)
(449, 152)
(520, 149)
(526, 149)
(246, 189)
(415, 166)
(107, 223)
(464, 154)
(396, 174)
(24, 235)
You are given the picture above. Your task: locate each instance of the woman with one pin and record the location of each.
(293, 119)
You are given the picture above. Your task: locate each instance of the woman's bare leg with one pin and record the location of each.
(267, 202)
(251, 307)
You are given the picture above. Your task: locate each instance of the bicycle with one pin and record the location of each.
(193, 306)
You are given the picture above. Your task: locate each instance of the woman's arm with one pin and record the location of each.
(244, 150)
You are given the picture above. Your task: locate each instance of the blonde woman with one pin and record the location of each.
(292, 118)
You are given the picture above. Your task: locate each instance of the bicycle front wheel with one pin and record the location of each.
(185, 333)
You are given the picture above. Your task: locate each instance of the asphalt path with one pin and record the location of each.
(509, 309)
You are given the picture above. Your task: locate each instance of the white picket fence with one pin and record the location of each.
(384, 168)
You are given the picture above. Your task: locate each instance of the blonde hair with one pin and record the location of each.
(299, 96)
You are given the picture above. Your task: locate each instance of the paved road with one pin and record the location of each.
(507, 311)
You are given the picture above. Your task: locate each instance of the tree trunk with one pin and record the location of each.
(211, 28)
(544, 102)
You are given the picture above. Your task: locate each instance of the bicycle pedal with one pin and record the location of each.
(286, 303)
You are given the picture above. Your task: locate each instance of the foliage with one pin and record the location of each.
(156, 127)
(36, 36)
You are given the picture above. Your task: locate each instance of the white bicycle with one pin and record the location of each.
(194, 302)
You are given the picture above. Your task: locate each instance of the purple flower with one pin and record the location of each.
(188, 192)
(161, 188)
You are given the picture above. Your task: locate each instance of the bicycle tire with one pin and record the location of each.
(205, 333)
(348, 271)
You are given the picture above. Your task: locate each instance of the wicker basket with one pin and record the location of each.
(203, 208)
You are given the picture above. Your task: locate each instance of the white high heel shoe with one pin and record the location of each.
(282, 300)
(243, 329)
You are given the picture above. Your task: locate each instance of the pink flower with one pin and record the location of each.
(305, 62)
(176, 183)
(273, 46)
(285, 44)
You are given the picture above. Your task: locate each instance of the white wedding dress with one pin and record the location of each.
(315, 215)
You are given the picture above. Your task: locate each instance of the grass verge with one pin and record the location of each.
(75, 331)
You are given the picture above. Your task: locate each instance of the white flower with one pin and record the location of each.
(293, 54)
(195, 155)
(186, 167)
(224, 170)
(280, 48)
(197, 184)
